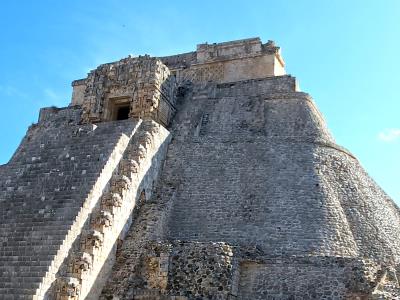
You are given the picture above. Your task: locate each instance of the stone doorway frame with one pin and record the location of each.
(114, 104)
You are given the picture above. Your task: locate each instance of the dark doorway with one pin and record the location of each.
(123, 113)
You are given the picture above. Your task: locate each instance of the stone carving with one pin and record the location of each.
(270, 47)
(102, 220)
(93, 241)
(82, 262)
(120, 183)
(68, 288)
(129, 166)
(140, 152)
(146, 139)
(112, 200)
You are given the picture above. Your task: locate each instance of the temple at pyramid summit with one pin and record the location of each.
(202, 175)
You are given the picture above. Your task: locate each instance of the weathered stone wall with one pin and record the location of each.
(255, 87)
(282, 141)
(280, 279)
(225, 139)
(316, 278)
(179, 61)
(181, 269)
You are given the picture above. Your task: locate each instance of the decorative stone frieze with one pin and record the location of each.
(202, 74)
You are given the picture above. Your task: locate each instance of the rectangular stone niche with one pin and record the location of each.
(119, 109)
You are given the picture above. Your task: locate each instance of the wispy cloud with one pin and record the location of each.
(389, 135)
(50, 94)
(11, 91)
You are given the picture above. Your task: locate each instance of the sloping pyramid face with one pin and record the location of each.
(256, 201)
(246, 195)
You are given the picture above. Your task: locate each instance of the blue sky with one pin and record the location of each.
(344, 53)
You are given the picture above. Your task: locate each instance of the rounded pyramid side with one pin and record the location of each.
(372, 216)
(260, 174)
(260, 170)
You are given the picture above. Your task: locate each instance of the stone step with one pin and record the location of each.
(9, 295)
(27, 257)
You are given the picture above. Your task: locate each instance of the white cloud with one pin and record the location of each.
(389, 135)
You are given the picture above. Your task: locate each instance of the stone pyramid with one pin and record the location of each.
(203, 175)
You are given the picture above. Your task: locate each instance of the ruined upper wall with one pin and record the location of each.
(228, 62)
(148, 84)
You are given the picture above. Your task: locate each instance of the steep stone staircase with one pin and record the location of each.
(89, 264)
(47, 191)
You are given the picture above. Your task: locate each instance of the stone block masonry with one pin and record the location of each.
(202, 175)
